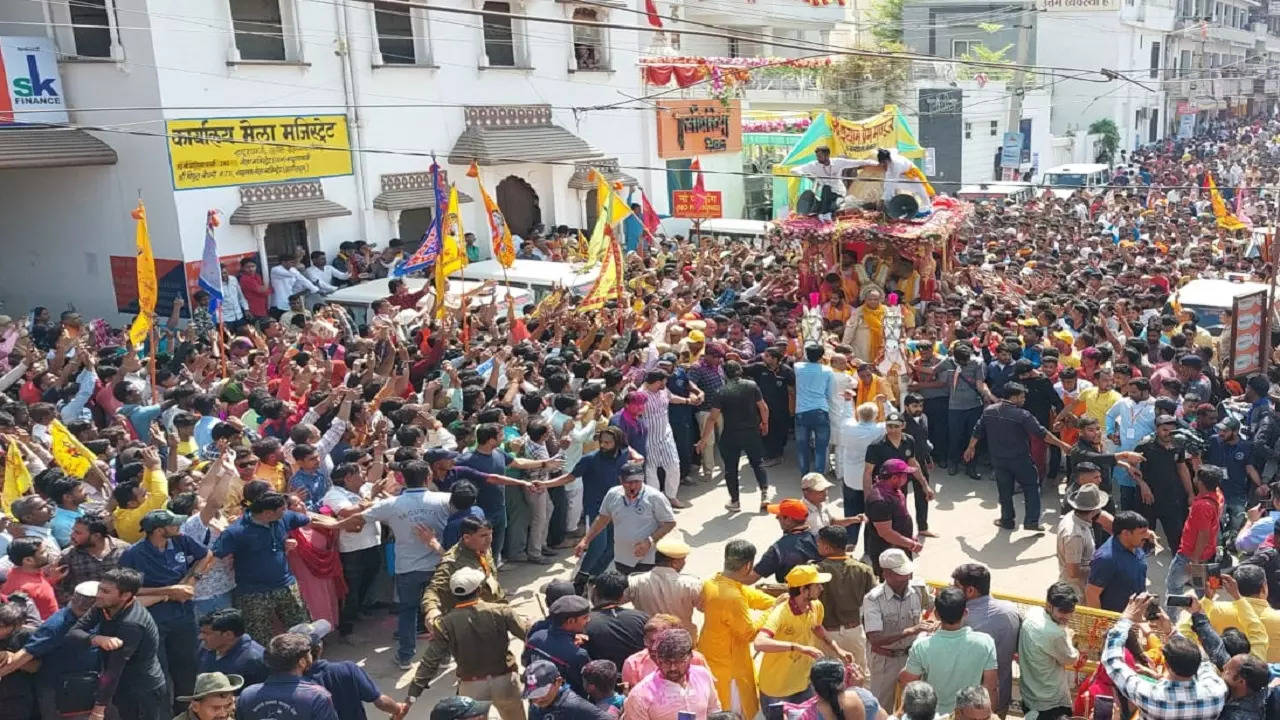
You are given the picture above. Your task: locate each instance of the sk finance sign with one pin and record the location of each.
(32, 87)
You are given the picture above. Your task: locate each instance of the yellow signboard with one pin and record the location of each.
(216, 152)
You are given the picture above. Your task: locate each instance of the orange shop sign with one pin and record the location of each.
(698, 127)
(697, 205)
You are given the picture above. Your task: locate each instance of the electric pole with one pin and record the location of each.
(1016, 89)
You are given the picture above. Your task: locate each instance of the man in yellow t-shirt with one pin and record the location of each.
(1098, 399)
(135, 498)
(791, 639)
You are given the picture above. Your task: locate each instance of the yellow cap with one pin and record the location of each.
(802, 575)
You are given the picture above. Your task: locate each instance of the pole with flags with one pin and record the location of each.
(429, 249)
(143, 327)
(210, 281)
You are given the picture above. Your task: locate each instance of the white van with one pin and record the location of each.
(539, 277)
(1210, 297)
(998, 192)
(359, 299)
(749, 231)
(1064, 179)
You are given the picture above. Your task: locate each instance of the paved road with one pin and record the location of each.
(1021, 562)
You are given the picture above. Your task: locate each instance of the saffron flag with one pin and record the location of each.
(17, 478)
(695, 167)
(504, 248)
(582, 246)
(610, 283)
(210, 270)
(648, 216)
(453, 256)
(1226, 220)
(429, 249)
(147, 287)
(72, 456)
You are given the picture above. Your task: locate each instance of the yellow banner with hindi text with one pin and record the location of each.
(861, 138)
(217, 152)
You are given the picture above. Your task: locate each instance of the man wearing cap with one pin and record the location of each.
(471, 551)
(1232, 453)
(460, 707)
(212, 698)
(897, 444)
(814, 487)
(665, 589)
(348, 683)
(1164, 487)
(891, 616)
(795, 547)
(64, 671)
(842, 597)
(1190, 372)
(640, 515)
(557, 642)
(791, 638)
(477, 633)
(1076, 542)
(1008, 429)
(170, 563)
(889, 523)
(287, 692)
(550, 699)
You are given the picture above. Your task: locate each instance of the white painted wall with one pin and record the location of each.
(178, 59)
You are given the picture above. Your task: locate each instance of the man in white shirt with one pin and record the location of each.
(827, 174)
(323, 276)
(856, 434)
(896, 180)
(234, 304)
(286, 280)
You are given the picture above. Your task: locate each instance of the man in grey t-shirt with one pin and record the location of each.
(641, 516)
(963, 377)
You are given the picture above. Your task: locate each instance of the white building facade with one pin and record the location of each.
(519, 97)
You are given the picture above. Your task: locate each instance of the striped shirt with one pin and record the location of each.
(1201, 698)
(657, 424)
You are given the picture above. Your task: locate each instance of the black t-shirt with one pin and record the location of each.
(794, 548)
(1041, 398)
(737, 402)
(615, 633)
(882, 450)
(882, 507)
(773, 384)
(17, 690)
(1160, 471)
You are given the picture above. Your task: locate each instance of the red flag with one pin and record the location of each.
(648, 216)
(696, 168)
(651, 10)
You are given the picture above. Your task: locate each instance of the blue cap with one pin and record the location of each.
(539, 678)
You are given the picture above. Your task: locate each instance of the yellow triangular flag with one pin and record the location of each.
(453, 255)
(71, 455)
(17, 478)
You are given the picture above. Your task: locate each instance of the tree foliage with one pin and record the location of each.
(1110, 140)
(886, 22)
(858, 86)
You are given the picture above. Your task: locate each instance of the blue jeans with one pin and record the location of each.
(1176, 582)
(960, 424)
(813, 432)
(599, 553)
(210, 605)
(855, 503)
(409, 589)
(1023, 472)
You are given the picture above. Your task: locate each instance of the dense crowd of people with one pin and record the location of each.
(203, 513)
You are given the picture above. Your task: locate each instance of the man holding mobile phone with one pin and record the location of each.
(1199, 538)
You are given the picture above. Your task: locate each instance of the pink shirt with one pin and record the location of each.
(639, 665)
(656, 698)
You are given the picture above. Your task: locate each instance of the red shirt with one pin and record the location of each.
(1204, 515)
(35, 586)
(408, 300)
(255, 292)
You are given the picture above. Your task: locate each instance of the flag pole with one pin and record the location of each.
(222, 340)
(151, 362)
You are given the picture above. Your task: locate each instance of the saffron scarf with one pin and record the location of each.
(874, 321)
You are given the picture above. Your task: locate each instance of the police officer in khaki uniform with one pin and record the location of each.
(477, 632)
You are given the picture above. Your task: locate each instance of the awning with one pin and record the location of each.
(514, 134)
(606, 166)
(405, 191)
(44, 146)
(284, 202)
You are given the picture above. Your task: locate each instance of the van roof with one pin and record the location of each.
(736, 227)
(532, 272)
(1077, 168)
(367, 292)
(1214, 292)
